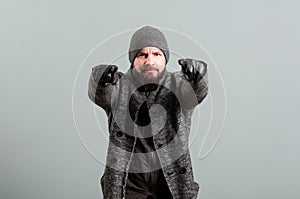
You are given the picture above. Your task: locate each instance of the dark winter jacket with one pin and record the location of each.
(170, 106)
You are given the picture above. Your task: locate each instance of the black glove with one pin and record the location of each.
(193, 70)
(110, 75)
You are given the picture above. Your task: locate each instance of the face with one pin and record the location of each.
(150, 63)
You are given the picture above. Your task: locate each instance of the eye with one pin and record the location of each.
(142, 55)
(157, 54)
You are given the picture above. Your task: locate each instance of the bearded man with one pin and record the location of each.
(149, 112)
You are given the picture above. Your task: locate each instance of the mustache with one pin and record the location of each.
(148, 67)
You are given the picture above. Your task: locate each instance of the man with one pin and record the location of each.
(149, 113)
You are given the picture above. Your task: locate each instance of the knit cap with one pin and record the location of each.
(148, 36)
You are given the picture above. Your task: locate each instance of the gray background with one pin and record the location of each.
(254, 43)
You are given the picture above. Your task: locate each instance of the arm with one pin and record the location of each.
(194, 81)
(101, 84)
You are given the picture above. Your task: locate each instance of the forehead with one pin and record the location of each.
(150, 49)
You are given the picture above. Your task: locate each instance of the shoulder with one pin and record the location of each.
(172, 76)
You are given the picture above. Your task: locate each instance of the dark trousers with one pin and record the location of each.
(155, 187)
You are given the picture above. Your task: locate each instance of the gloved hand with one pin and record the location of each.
(193, 70)
(110, 75)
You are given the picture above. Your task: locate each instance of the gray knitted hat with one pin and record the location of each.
(148, 36)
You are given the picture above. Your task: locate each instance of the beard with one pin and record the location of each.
(143, 77)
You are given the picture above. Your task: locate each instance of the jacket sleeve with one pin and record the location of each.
(98, 93)
(191, 93)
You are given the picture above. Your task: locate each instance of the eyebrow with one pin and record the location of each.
(140, 53)
(154, 51)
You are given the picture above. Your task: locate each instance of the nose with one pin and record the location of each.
(149, 60)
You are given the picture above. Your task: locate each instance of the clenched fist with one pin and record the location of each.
(110, 75)
(192, 70)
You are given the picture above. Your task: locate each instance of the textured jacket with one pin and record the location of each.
(170, 108)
